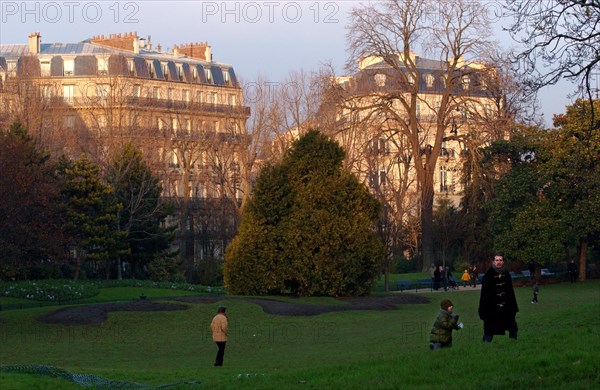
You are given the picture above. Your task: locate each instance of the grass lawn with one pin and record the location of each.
(558, 346)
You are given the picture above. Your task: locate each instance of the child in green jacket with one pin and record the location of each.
(446, 321)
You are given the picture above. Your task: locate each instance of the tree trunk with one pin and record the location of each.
(427, 222)
(583, 249)
(77, 268)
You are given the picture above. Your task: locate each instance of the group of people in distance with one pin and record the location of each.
(441, 277)
(497, 309)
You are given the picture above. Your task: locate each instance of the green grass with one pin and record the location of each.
(557, 347)
(413, 276)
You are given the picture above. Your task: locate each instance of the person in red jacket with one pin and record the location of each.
(219, 328)
(497, 303)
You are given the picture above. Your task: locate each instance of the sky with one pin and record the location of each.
(266, 38)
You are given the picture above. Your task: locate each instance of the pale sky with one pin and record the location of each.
(269, 38)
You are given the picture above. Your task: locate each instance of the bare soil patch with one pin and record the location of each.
(96, 314)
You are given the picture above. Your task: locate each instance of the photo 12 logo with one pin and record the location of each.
(270, 11)
(69, 11)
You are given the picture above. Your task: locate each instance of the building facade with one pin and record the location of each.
(403, 120)
(184, 110)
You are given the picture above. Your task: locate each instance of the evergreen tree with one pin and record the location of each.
(144, 212)
(91, 215)
(30, 205)
(309, 229)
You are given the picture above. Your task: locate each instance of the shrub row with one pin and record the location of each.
(69, 290)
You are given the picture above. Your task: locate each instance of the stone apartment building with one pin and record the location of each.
(390, 119)
(182, 108)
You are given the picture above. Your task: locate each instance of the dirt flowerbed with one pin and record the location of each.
(96, 314)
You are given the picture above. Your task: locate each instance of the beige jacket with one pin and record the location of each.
(219, 328)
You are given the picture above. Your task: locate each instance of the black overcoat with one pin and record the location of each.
(497, 303)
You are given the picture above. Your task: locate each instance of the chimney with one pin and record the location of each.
(148, 44)
(127, 41)
(197, 50)
(35, 40)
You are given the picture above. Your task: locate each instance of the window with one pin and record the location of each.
(137, 90)
(380, 79)
(68, 93)
(12, 66)
(69, 121)
(174, 160)
(170, 93)
(383, 146)
(466, 82)
(102, 90)
(443, 179)
(47, 91)
(198, 97)
(208, 75)
(69, 67)
(102, 66)
(45, 68)
(382, 178)
(150, 69)
(185, 95)
(225, 75)
(101, 120)
(429, 79)
(155, 92)
(213, 97)
(231, 99)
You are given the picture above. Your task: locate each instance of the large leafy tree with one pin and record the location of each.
(30, 204)
(573, 175)
(92, 209)
(309, 229)
(143, 212)
(549, 201)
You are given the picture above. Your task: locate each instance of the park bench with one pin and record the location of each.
(545, 272)
(425, 283)
(404, 284)
(514, 276)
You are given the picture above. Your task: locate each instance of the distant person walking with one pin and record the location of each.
(572, 271)
(497, 303)
(446, 321)
(437, 277)
(219, 328)
(474, 272)
(466, 278)
(536, 290)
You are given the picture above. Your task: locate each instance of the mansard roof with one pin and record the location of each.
(153, 58)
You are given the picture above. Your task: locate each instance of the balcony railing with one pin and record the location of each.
(165, 104)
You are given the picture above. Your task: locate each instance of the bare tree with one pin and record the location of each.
(560, 39)
(455, 34)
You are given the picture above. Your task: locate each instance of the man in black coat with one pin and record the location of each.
(497, 303)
